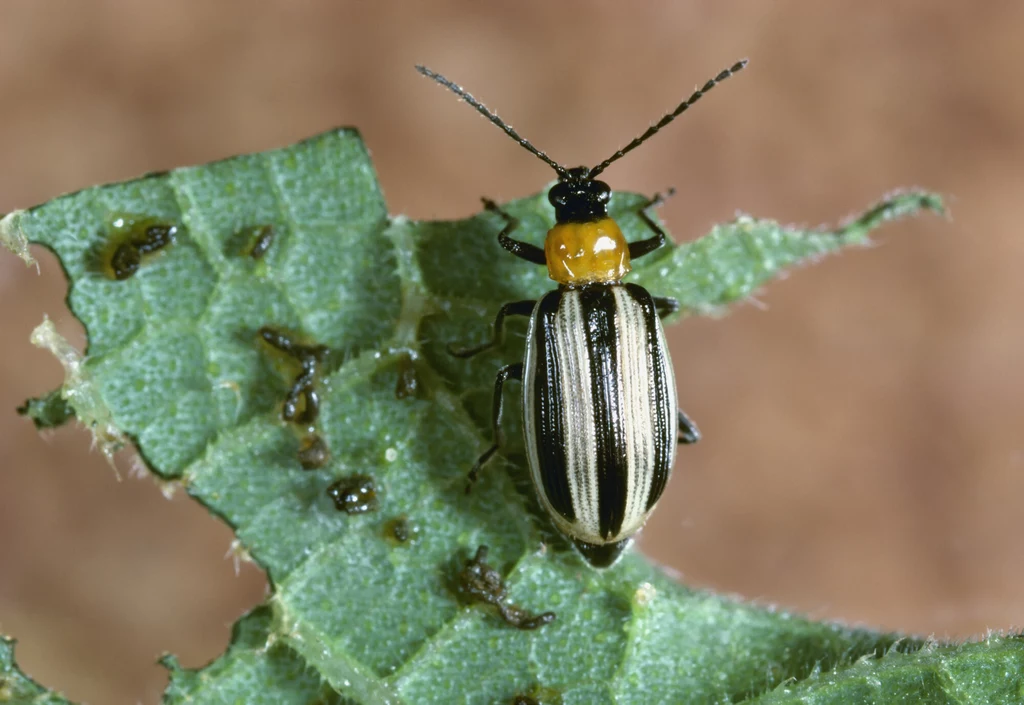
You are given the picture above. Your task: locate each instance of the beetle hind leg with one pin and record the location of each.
(688, 431)
(474, 472)
(665, 306)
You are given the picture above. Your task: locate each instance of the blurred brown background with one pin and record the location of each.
(864, 443)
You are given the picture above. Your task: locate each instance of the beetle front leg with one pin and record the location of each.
(643, 247)
(514, 371)
(522, 250)
(516, 308)
(688, 431)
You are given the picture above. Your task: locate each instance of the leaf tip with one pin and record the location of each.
(895, 205)
(14, 239)
(919, 199)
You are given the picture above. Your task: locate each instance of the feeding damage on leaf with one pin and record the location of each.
(18, 688)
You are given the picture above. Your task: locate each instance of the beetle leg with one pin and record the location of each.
(688, 431)
(642, 247)
(513, 371)
(522, 250)
(516, 308)
(665, 306)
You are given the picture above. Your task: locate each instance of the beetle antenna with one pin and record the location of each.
(680, 109)
(482, 109)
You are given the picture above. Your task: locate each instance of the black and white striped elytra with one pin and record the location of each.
(599, 396)
(599, 408)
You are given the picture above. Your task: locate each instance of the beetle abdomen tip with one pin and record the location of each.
(601, 555)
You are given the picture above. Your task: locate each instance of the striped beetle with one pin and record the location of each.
(600, 415)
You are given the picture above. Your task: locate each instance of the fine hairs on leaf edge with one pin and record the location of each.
(80, 391)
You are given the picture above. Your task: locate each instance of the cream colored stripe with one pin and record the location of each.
(638, 404)
(529, 406)
(578, 414)
(671, 401)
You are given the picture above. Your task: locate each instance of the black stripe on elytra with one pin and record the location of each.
(549, 426)
(662, 427)
(598, 305)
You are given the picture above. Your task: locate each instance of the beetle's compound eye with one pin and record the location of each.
(559, 194)
(601, 191)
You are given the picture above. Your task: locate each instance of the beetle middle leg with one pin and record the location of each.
(643, 247)
(522, 250)
(516, 308)
(513, 371)
(688, 431)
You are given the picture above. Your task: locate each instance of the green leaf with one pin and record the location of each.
(16, 687)
(48, 411)
(256, 669)
(990, 672)
(176, 278)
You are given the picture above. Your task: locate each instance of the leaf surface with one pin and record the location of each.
(299, 240)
